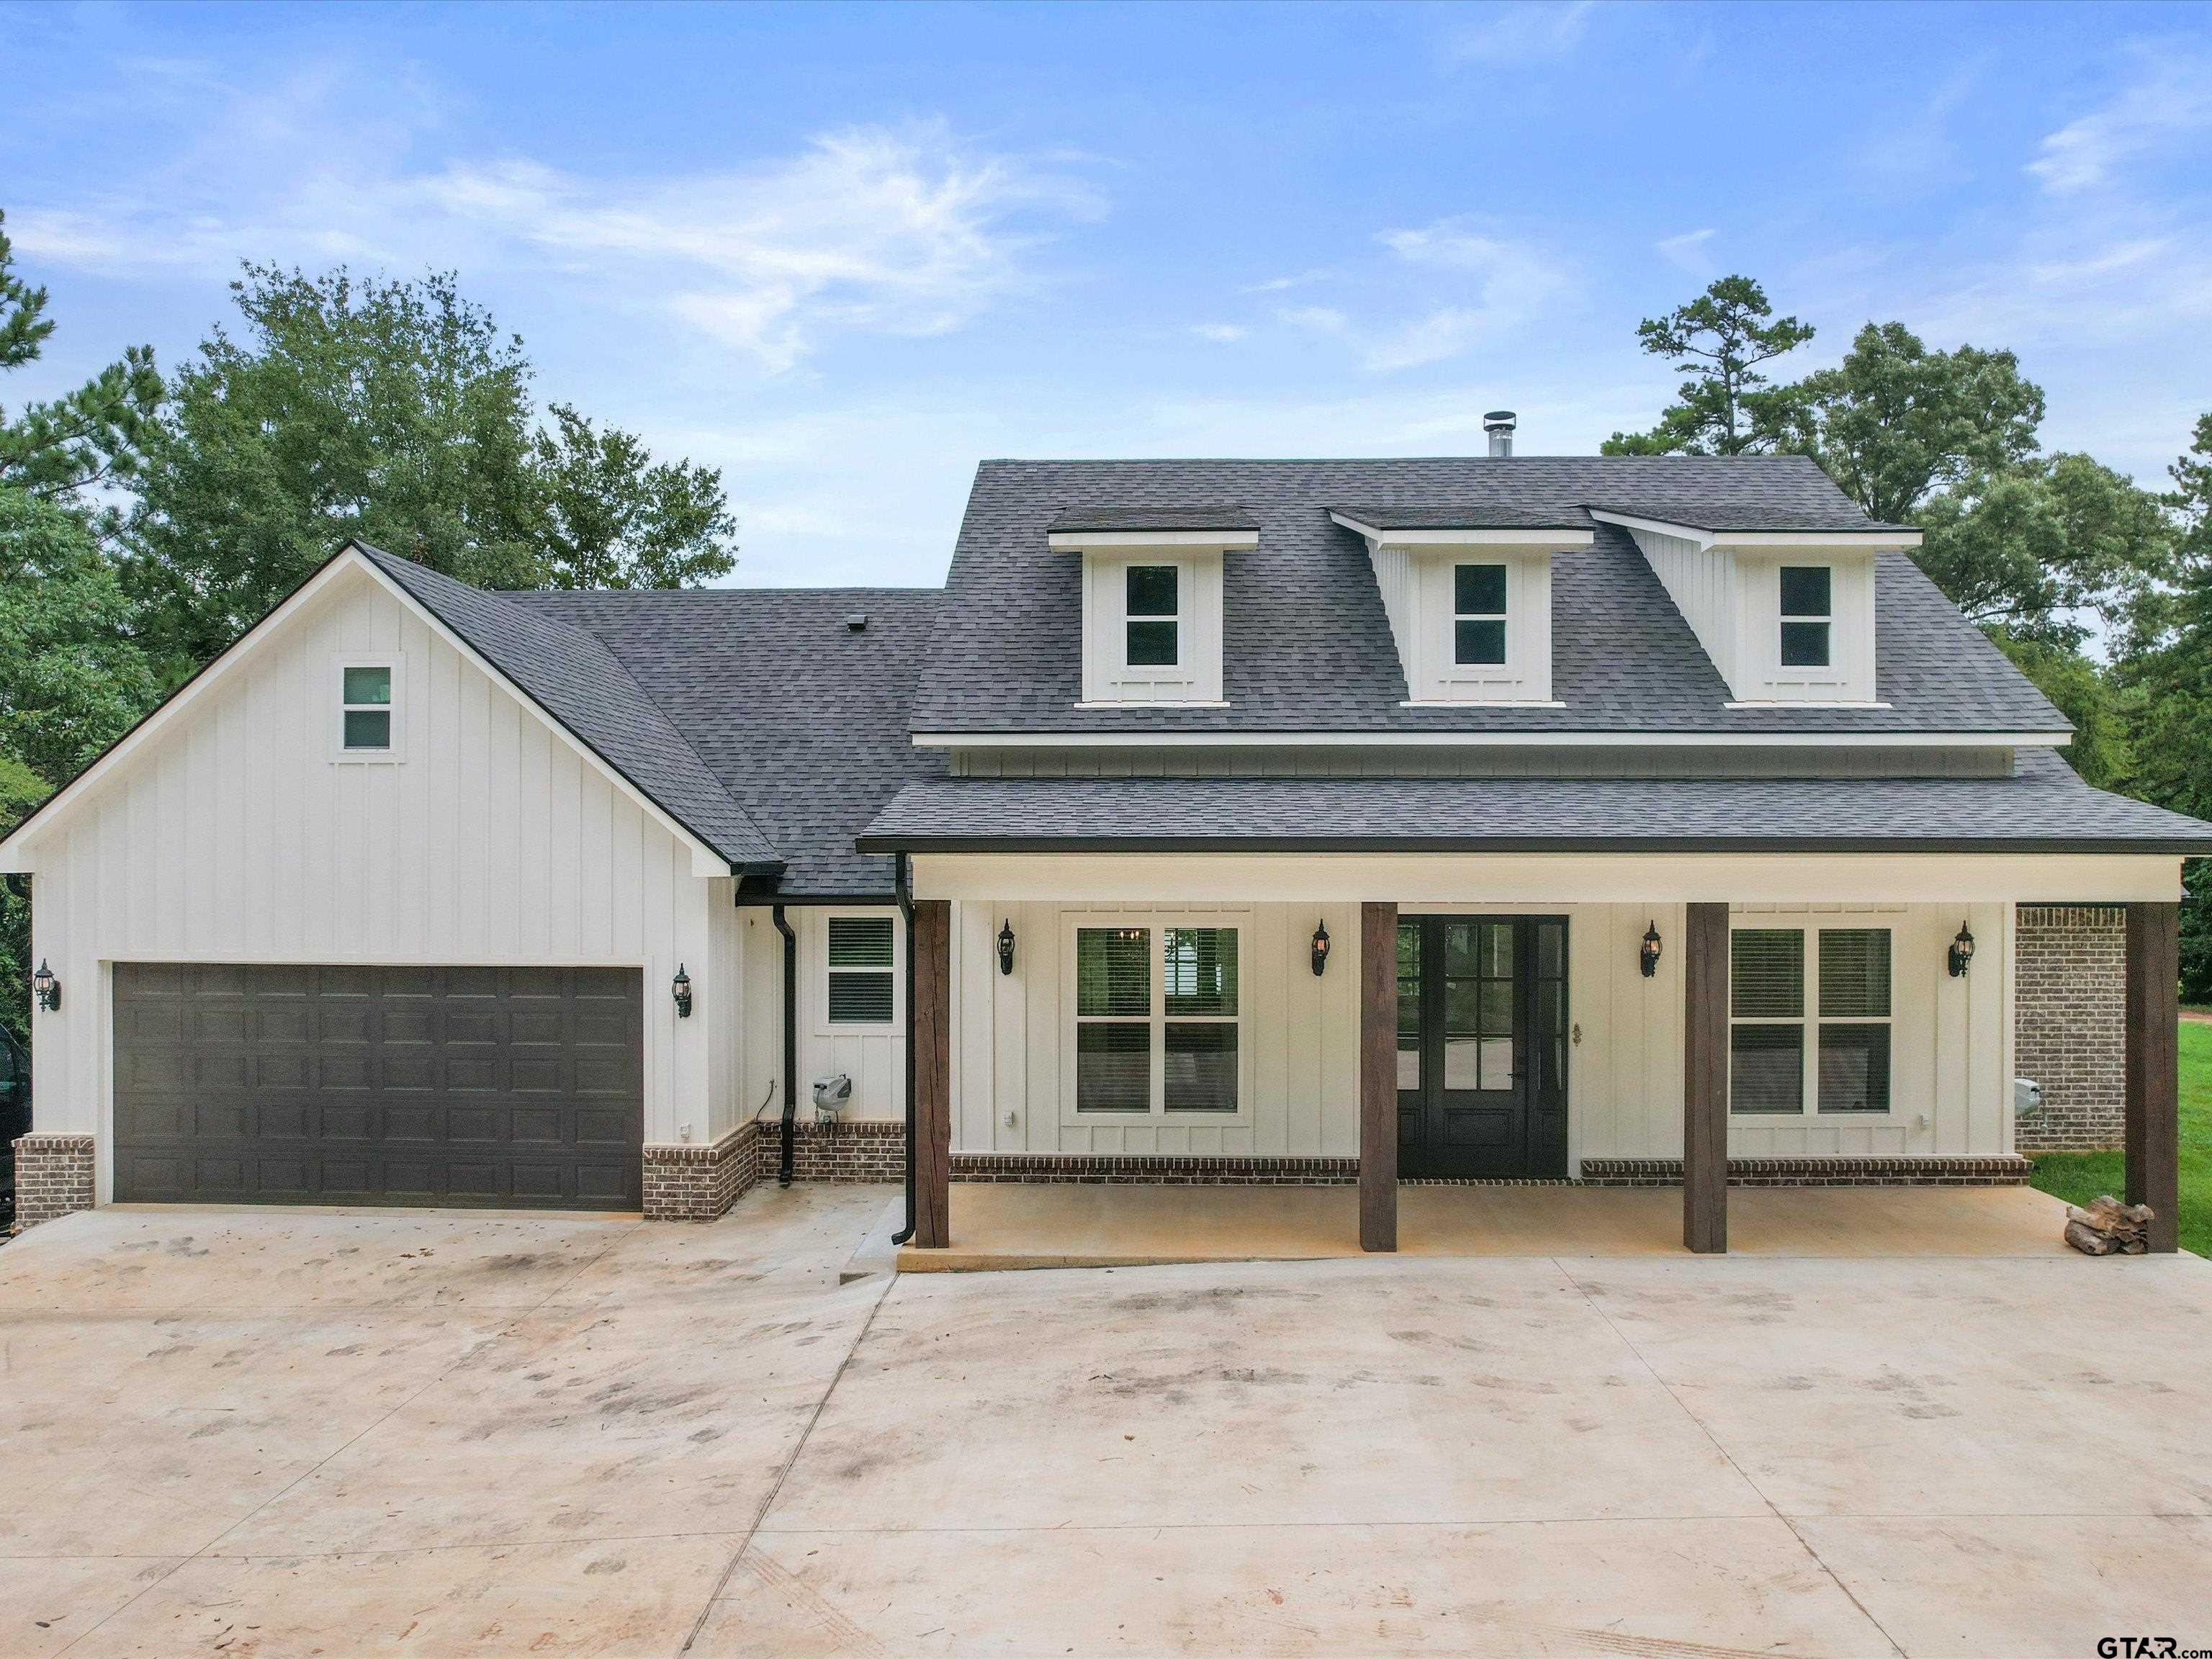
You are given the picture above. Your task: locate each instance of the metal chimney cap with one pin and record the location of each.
(1499, 417)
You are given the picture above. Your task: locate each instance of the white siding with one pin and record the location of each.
(1950, 1070)
(1195, 675)
(236, 837)
(1702, 581)
(1732, 599)
(873, 1057)
(1012, 1041)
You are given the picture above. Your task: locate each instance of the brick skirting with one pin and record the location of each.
(53, 1178)
(864, 1150)
(687, 1183)
(1157, 1169)
(1818, 1171)
(2069, 1006)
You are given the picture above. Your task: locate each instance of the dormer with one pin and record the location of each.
(1152, 600)
(1470, 604)
(1786, 615)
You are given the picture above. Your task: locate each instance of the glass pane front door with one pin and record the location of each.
(1482, 1046)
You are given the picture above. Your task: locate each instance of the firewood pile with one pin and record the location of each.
(2109, 1227)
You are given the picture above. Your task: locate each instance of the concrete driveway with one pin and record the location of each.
(280, 1433)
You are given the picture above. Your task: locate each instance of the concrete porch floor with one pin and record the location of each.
(1007, 1227)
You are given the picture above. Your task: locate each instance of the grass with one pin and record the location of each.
(2077, 1177)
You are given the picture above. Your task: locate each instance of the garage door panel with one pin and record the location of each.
(391, 1085)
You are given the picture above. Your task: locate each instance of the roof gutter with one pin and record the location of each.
(906, 910)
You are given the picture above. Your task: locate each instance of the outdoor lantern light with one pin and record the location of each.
(680, 989)
(1320, 947)
(1962, 952)
(1648, 957)
(46, 987)
(1006, 946)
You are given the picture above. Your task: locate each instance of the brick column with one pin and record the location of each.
(1378, 1077)
(53, 1178)
(1704, 1078)
(2154, 1066)
(931, 1037)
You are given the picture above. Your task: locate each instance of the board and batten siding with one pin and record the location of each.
(873, 1056)
(1012, 1063)
(237, 835)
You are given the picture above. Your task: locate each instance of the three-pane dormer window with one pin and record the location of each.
(1154, 616)
(1807, 607)
(1478, 614)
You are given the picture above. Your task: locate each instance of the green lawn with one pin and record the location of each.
(2077, 1177)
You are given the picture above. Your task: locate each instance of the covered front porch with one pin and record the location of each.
(1262, 1057)
(1006, 1226)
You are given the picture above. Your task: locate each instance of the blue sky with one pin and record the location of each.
(845, 252)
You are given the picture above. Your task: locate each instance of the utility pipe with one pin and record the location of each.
(790, 1043)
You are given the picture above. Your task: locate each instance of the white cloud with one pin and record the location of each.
(2173, 99)
(898, 231)
(1220, 333)
(1322, 320)
(1517, 33)
(1686, 251)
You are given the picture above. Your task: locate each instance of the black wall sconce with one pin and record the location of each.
(45, 989)
(680, 989)
(1648, 957)
(1006, 946)
(1320, 948)
(1962, 952)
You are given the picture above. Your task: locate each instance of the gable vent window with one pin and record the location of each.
(365, 693)
(1478, 614)
(862, 977)
(1807, 607)
(1155, 619)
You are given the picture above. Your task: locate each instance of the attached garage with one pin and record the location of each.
(489, 1086)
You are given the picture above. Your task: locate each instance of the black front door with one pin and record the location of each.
(1482, 1046)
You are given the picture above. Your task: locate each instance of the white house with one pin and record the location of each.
(1501, 818)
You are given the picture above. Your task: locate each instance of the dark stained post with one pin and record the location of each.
(2153, 1065)
(1378, 1077)
(932, 1072)
(1704, 1078)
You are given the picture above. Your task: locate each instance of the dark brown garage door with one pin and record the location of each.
(492, 1086)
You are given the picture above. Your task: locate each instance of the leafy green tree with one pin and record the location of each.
(2035, 548)
(1894, 420)
(91, 437)
(21, 791)
(2101, 712)
(396, 412)
(72, 680)
(1728, 405)
(615, 518)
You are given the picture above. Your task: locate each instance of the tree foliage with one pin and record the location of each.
(399, 413)
(68, 448)
(614, 518)
(1727, 406)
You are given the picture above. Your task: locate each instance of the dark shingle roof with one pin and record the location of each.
(577, 680)
(801, 720)
(1307, 647)
(2044, 806)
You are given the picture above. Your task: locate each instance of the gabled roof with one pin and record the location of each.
(2041, 807)
(580, 684)
(801, 719)
(1307, 647)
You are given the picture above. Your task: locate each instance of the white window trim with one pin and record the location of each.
(818, 938)
(1817, 673)
(1193, 680)
(1810, 1019)
(1158, 925)
(396, 661)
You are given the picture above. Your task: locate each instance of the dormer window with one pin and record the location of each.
(1479, 614)
(1808, 597)
(1153, 584)
(1154, 616)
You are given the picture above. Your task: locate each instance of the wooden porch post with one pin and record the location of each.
(932, 1072)
(2153, 1065)
(1704, 1078)
(1378, 1077)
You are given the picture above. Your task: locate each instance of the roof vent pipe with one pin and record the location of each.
(1500, 424)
